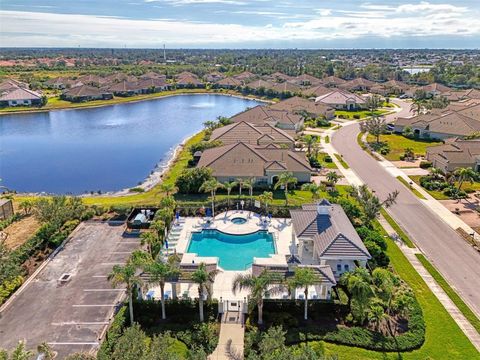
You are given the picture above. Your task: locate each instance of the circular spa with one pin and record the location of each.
(238, 221)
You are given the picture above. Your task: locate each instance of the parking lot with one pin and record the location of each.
(71, 316)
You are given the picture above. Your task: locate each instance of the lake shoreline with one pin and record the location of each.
(161, 95)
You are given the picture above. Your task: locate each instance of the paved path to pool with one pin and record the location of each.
(230, 343)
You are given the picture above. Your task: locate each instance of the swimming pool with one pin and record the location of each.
(235, 252)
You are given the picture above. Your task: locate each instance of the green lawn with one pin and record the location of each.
(398, 144)
(452, 294)
(328, 165)
(443, 339)
(340, 158)
(361, 113)
(436, 194)
(413, 190)
(397, 229)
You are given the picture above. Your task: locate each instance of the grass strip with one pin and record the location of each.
(340, 159)
(457, 300)
(397, 229)
(412, 189)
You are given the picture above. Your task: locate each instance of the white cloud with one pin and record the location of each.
(191, 2)
(21, 28)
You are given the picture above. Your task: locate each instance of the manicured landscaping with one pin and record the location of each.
(398, 143)
(452, 294)
(397, 229)
(326, 161)
(412, 189)
(358, 114)
(340, 159)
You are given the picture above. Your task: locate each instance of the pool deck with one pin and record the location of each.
(280, 228)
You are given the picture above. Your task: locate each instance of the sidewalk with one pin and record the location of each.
(230, 343)
(441, 211)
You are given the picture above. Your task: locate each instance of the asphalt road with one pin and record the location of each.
(458, 262)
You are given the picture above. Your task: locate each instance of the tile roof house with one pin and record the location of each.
(260, 115)
(264, 163)
(444, 124)
(152, 75)
(228, 83)
(435, 89)
(263, 134)
(188, 80)
(315, 91)
(333, 81)
(306, 80)
(153, 85)
(93, 80)
(327, 237)
(85, 93)
(342, 100)
(126, 88)
(286, 87)
(278, 77)
(455, 153)
(298, 105)
(358, 84)
(214, 76)
(245, 77)
(20, 97)
(260, 84)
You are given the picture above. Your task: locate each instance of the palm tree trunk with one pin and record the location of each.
(260, 312)
(213, 204)
(305, 311)
(286, 194)
(162, 293)
(228, 198)
(460, 183)
(130, 306)
(200, 307)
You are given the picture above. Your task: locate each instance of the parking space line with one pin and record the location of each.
(130, 242)
(73, 343)
(113, 263)
(93, 305)
(81, 323)
(121, 252)
(101, 290)
(100, 276)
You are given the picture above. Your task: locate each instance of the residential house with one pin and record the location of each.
(333, 81)
(85, 93)
(440, 125)
(316, 91)
(286, 87)
(228, 83)
(358, 84)
(306, 80)
(126, 88)
(260, 84)
(455, 153)
(214, 76)
(188, 80)
(245, 77)
(20, 97)
(61, 83)
(391, 87)
(93, 80)
(342, 100)
(298, 105)
(152, 75)
(325, 236)
(264, 163)
(260, 115)
(278, 77)
(153, 85)
(119, 77)
(436, 89)
(262, 134)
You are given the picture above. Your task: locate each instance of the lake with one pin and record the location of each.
(106, 148)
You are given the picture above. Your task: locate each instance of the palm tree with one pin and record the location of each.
(211, 186)
(258, 286)
(204, 279)
(357, 284)
(168, 188)
(310, 142)
(249, 183)
(150, 239)
(303, 278)
(314, 189)
(45, 350)
(284, 179)
(333, 177)
(160, 273)
(229, 186)
(376, 314)
(20, 352)
(465, 174)
(126, 275)
(240, 183)
(266, 198)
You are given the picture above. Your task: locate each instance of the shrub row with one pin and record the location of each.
(113, 334)
(10, 220)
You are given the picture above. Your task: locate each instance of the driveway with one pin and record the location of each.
(71, 317)
(457, 261)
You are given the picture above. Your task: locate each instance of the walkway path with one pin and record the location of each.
(230, 343)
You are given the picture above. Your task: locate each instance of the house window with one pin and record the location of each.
(14, 102)
(346, 267)
(339, 267)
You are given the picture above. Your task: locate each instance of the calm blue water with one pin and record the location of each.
(235, 252)
(108, 148)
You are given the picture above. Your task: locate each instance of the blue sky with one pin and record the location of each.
(241, 23)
